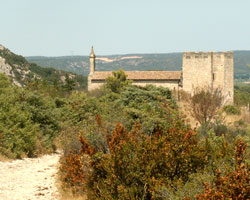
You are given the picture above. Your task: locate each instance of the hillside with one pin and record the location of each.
(20, 71)
(166, 61)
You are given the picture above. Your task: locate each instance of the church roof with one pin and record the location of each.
(141, 75)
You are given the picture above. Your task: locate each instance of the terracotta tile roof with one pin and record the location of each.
(141, 75)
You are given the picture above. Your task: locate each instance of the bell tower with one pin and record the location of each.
(92, 61)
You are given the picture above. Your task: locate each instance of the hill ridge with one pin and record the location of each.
(159, 61)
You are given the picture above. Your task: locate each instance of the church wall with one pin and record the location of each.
(172, 85)
(92, 85)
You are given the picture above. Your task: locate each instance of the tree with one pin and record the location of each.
(205, 104)
(117, 81)
(4, 81)
(69, 83)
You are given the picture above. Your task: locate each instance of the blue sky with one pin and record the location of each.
(70, 27)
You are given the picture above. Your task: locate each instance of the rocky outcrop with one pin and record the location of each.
(1, 47)
(5, 68)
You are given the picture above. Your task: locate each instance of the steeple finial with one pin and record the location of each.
(92, 55)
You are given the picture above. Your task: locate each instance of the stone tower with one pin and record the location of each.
(215, 70)
(91, 67)
(92, 61)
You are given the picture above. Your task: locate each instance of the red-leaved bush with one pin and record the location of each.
(74, 168)
(234, 184)
(138, 166)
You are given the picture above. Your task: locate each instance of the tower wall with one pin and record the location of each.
(218, 70)
(229, 77)
(92, 65)
(215, 70)
(197, 70)
(91, 69)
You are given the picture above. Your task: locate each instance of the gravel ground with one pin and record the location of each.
(29, 178)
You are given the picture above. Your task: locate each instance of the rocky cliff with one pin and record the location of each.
(20, 71)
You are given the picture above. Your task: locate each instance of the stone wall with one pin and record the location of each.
(210, 69)
(92, 85)
(229, 78)
(171, 84)
(218, 70)
(197, 70)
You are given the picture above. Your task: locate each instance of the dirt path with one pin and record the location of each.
(30, 178)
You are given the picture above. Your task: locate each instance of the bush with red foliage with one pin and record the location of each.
(74, 168)
(234, 184)
(138, 165)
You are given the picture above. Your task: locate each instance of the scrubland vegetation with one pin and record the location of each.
(129, 142)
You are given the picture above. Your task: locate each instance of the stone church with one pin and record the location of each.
(212, 69)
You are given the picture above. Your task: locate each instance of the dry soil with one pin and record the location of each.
(29, 178)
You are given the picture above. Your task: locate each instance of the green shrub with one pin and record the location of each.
(29, 121)
(242, 95)
(231, 110)
(116, 82)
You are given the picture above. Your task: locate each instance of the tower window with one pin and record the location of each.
(213, 76)
(187, 57)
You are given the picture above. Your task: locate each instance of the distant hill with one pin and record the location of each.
(20, 71)
(165, 61)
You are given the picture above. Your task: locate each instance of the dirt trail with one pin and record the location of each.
(30, 178)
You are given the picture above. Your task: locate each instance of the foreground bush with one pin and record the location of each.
(28, 121)
(233, 184)
(136, 165)
(74, 172)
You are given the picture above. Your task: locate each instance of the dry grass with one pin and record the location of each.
(184, 107)
(68, 196)
(186, 112)
(245, 116)
(231, 119)
(4, 158)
